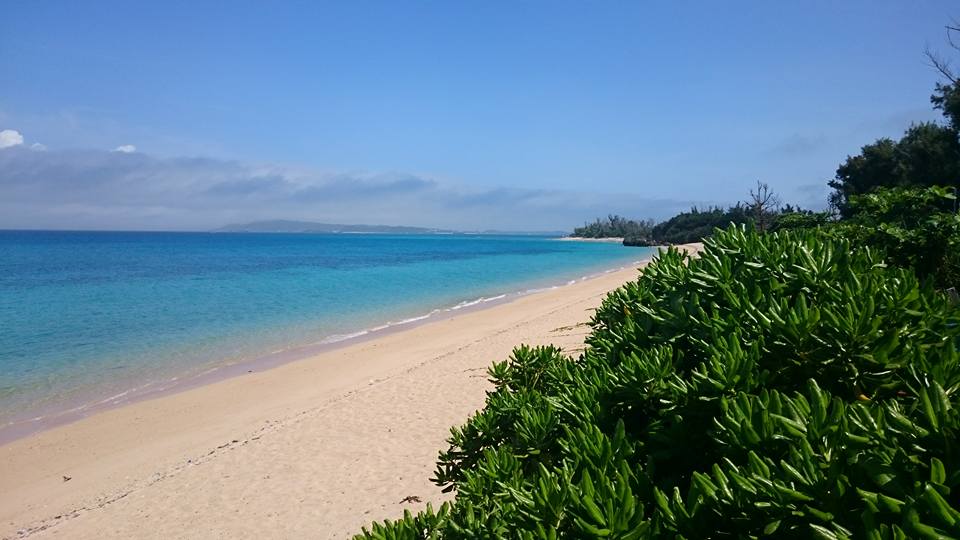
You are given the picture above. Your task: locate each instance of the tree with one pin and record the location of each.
(876, 165)
(928, 154)
(946, 96)
(614, 226)
(697, 224)
(763, 205)
(917, 228)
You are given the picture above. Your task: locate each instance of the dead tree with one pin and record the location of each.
(940, 63)
(763, 205)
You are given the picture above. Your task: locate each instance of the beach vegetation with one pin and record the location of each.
(762, 209)
(785, 385)
(927, 155)
(614, 226)
(694, 225)
(914, 227)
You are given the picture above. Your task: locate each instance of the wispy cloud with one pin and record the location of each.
(799, 145)
(125, 149)
(812, 196)
(110, 190)
(894, 124)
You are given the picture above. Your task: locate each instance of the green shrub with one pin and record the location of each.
(801, 219)
(916, 227)
(697, 224)
(782, 385)
(614, 226)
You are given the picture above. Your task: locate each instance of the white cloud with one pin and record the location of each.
(110, 190)
(38, 147)
(10, 137)
(125, 149)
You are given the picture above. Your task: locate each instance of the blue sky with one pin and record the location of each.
(523, 115)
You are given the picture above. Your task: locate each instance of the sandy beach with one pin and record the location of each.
(314, 448)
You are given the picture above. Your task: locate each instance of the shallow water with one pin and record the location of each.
(91, 317)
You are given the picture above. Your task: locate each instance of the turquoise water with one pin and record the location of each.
(89, 317)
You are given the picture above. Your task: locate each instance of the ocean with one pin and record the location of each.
(91, 319)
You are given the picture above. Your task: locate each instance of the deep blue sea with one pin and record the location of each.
(90, 317)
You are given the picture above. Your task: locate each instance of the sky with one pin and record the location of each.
(473, 115)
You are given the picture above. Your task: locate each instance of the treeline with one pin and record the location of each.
(690, 226)
(614, 226)
(927, 155)
(683, 228)
(799, 378)
(762, 210)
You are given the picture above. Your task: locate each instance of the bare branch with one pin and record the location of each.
(940, 64)
(950, 31)
(764, 203)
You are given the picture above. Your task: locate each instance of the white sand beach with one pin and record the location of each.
(314, 448)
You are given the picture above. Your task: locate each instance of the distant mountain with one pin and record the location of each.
(287, 226)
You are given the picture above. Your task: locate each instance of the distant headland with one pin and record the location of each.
(290, 226)
(310, 227)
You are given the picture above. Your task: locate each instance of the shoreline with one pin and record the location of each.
(317, 447)
(46, 420)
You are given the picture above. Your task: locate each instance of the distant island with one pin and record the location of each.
(310, 227)
(289, 226)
